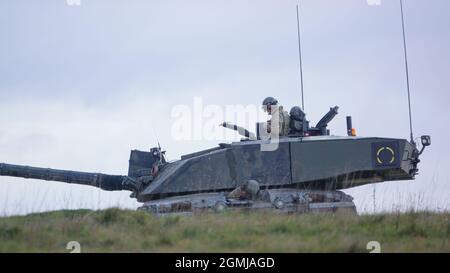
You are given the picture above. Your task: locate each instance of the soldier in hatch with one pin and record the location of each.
(298, 124)
(279, 116)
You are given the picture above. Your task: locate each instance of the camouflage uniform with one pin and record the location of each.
(280, 116)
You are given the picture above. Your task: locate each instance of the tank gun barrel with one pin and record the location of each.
(102, 181)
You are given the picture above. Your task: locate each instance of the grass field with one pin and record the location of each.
(116, 230)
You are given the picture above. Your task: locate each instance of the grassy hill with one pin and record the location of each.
(115, 230)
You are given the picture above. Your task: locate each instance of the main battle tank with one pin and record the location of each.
(303, 173)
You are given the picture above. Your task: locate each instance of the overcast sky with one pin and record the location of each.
(80, 86)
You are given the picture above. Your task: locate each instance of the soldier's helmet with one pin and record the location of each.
(269, 101)
(296, 113)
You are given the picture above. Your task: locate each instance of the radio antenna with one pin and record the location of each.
(159, 145)
(300, 57)
(407, 73)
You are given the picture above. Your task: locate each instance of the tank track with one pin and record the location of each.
(290, 201)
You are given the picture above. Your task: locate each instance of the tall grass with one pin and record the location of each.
(115, 230)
